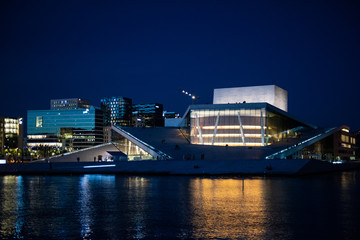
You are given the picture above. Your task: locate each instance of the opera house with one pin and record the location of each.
(242, 123)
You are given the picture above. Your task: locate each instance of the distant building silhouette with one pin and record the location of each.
(118, 111)
(148, 115)
(69, 103)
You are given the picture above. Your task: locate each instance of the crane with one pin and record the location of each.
(193, 96)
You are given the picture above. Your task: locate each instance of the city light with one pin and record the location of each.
(191, 95)
(100, 166)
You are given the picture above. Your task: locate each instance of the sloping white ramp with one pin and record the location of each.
(298, 146)
(141, 144)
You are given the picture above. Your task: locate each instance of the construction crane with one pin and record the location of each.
(193, 96)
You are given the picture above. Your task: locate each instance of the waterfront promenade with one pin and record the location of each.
(286, 167)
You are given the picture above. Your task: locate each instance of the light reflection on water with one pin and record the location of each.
(8, 220)
(228, 208)
(129, 207)
(85, 209)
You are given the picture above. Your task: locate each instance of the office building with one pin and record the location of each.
(11, 134)
(68, 129)
(69, 103)
(148, 115)
(117, 110)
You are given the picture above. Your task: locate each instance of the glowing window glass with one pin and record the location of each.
(39, 121)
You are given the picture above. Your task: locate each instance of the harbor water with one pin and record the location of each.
(325, 206)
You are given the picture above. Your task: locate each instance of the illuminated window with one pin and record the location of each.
(346, 145)
(39, 121)
(344, 138)
(345, 130)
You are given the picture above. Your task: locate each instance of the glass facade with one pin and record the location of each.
(227, 127)
(280, 127)
(76, 128)
(11, 133)
(132, 151)
(118, 111)
(238, 125)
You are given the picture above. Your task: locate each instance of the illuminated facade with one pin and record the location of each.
(248, 130)
(245, 124)
(66, 128)
(228, 131)
(11, 133)
(117, 110)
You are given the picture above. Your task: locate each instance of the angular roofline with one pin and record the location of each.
(245, 106)
(266, 85)
(307, 142)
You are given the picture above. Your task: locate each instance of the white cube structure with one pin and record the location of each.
(271, 94)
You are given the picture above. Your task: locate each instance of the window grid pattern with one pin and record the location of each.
(223, 127)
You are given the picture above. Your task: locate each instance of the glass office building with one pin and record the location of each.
(11, 133)
(243, 124)
(117, 110)
(72, 129)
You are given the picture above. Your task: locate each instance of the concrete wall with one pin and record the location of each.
(281, 98)
(271, 94)
(87, 155)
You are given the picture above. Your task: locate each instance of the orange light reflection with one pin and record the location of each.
(228, 208)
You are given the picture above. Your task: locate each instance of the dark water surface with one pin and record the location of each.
(129, 207)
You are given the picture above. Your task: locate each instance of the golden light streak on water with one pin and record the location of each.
(230, 208)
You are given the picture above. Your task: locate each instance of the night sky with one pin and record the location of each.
(149, 50)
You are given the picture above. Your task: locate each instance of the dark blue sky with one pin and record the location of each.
(148, 50)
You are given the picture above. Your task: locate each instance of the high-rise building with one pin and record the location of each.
(118, 111)
(69, 103)
(148, 115)
(69, 129)
(11, 133)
